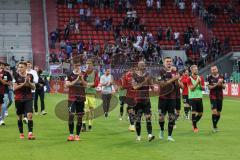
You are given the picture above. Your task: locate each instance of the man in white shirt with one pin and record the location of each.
(182, 6)
(158, 3)
(176, 35)
(106, 82)
(81, 12)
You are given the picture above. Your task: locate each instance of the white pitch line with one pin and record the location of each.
(231, 100)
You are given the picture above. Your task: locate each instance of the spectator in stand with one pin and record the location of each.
(181, 5)
(97, 23)
(80, 47)
(70, 4)
(111, 4)
(62, 44)
(158, 5)
(53, 38)
(128, 5)
(88, 15)
(109, 23)
(53, 58)
(69, 50)
(13, 63)
(194, 7)
(66, 32)
(120, 6)
(168, 33)
(96, 49)
(149, 4)
(82, 14)
(72, 22)
(76, 31)
(176, 36)
(160, 33)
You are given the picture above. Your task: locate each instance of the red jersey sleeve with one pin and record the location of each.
(189, 82)
(202, 82)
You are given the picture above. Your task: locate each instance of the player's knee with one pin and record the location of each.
(171, 118)
(214, 111)
(148, 118)
(161, 117)
(29, 116)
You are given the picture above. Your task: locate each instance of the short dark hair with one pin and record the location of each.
(23, 63)
(167, 58)
(213, 66)
(28, 62)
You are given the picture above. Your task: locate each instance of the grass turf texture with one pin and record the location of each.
(111, 140)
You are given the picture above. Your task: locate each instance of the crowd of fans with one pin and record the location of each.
(141, 44)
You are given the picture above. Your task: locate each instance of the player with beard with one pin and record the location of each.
(216, 86)
(167, 102)
(195, 88)
(141, 84)
(76, 99)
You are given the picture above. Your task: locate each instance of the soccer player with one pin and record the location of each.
(23, 87)
(167, 103)
(92, 80)
(129, 99)
(35, 80)
(122, 97)
(178, 97)
(216, 86)
(195, 87)
(183, 84)
(141, 84)
(76, 99)
(6, 80)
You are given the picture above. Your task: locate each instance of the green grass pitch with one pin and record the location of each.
(110, 139)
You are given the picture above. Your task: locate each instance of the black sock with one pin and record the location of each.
(149, 127)
(71, 126)
(194, 122)
(161, 124)
(78, 128)
(198, 117)
(218, 117)
(121, 110)
(138, 128)
(186, 111)
(20, 126)
(131, 118)
(30, 125)
(170, 128)
(214, 120)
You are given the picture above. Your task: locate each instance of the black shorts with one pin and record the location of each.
(24, 106)
(216, 104)
(1, 98)
(76, 106)
(143, 107)
(166, 106)
(122, 99)
(178, 104)
(185, 99)
(197, 105)
(130, 101)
